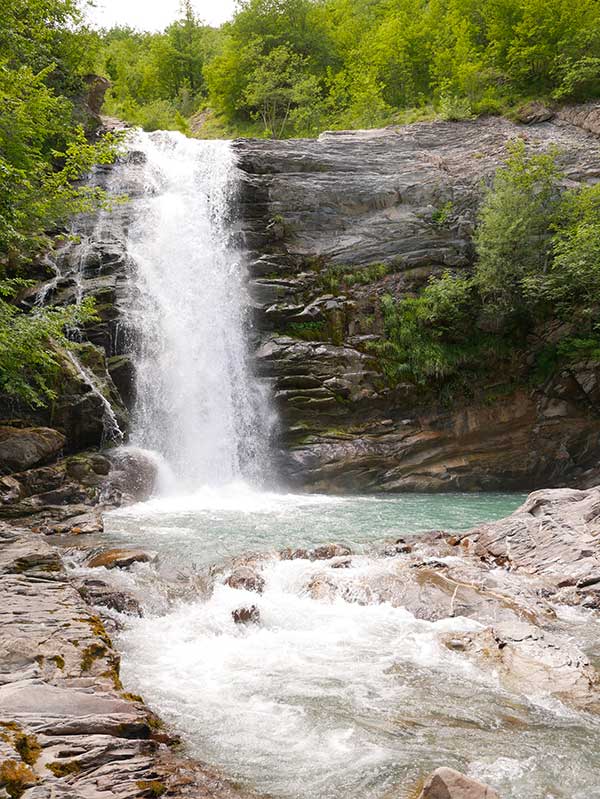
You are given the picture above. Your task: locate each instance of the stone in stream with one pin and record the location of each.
(446, 783)
(246, 579)
(119, 558)
(323, 552)
(554, 535)
(249, 615)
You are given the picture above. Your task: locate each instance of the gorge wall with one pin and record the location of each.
(331, 225)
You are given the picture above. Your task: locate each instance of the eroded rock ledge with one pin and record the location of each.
(67, 728)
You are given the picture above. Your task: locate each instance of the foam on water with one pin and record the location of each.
(331, 697)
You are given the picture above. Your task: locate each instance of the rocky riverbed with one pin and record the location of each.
(68, 727)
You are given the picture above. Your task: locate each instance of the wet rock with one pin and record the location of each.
(246, 579)
(446, 783)
(133, 477)
(60, 688)
(533, 662)
(324, 552)
(89, 469)
(21, 448)
(119, 558)
(11, 490)
(249, 615)
(554, 535)
(99, 593)
(400, 547)
(122, 371)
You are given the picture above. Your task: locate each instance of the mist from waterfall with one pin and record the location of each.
(197, 403)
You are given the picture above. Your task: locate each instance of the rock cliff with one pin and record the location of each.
(329, 226)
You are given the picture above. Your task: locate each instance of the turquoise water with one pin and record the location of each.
(215, 524)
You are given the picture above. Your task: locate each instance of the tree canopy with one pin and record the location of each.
(295, 67)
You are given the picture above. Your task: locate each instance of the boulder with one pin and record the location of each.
(22, 448)
(134, 473)
(534, 113)
(446, 783)
(246, 579)
(249, 615)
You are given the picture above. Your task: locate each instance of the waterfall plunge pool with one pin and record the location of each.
(330, 699)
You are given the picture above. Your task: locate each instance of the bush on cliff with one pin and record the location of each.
(29, 343)
(538, 248)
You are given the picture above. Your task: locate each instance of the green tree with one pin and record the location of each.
(279, 86)
(514, 236)
(44, 152)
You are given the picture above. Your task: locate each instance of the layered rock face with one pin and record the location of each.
(329, 226)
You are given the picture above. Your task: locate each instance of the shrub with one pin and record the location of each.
(514, 236)
(431, 337)
(29, 361)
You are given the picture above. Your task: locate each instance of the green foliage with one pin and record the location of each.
(370, 61)
(43, 58)
(539, 260)
(341, 276)
(158, 78)
(442, 215)
(279, 89)
(296, 67)
(29, 346)
(45, 54)
(454, 108)
(430, 337)
(570, 287)
(307, 331)
(514, 240)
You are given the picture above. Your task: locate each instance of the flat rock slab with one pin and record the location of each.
(555, 534)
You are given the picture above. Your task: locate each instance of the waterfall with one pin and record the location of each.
(198, 405)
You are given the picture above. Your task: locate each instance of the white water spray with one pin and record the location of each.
(197, 402)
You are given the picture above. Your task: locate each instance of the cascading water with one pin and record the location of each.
(197, 402)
